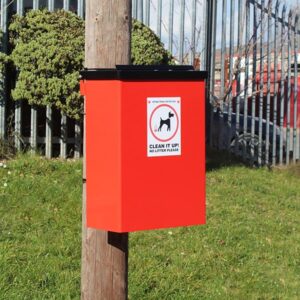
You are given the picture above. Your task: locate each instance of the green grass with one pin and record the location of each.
(40, 229)
(249, 248)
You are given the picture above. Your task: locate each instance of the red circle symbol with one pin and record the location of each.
(177, 126)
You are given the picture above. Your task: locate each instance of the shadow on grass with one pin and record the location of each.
(216, 159)
(293, 169)
(7, 149)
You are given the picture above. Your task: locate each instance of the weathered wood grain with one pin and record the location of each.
(105, 254)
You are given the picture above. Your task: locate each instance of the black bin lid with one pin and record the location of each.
(139, 72)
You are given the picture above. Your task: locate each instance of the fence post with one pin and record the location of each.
(211, 17)
(254, 89)
(48, 139)
(66, 4)
(159, 19)
(193, 31)
(141, 10)
(261, 82)
(274, 140)
(35, 4)
(231, 55)
(246, 81)
(18, 104)
(77, 139)
(223, 51)
(282, 84)
(288, 102)
(181, 34)
(268, 108)
(147, 13)
(295, 117)
(33, 109)
(33, 129)
(3, 94)
(63, 136)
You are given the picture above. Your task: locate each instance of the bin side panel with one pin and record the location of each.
(166, 191)
(103, 154)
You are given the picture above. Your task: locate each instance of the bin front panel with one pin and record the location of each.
(162, 191)
(103, 154)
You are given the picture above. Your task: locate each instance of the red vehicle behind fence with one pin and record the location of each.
(285, 102)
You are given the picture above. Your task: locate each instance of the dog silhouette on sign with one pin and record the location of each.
(166, 122)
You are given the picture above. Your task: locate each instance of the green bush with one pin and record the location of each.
(146, 47)
(48, 52)
(3, 56)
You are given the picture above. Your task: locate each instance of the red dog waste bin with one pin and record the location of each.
(145, 147)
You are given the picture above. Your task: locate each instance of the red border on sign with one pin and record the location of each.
(159, 139)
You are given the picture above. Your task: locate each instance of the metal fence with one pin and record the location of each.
(250, 49)
(180, 25)
(254, 81)
(34, 127)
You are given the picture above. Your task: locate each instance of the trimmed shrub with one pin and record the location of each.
(146, 47)
(3, 56)
(48, 52)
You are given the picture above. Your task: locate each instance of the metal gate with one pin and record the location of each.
(254, 80)
(37, 128)
(250, 50)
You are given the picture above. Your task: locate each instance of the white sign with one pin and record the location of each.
(163, 126)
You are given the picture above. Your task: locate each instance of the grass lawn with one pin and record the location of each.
(249, 249)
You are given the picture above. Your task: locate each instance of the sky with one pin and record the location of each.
(292, 2)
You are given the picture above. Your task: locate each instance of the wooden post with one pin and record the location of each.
(105, 254)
